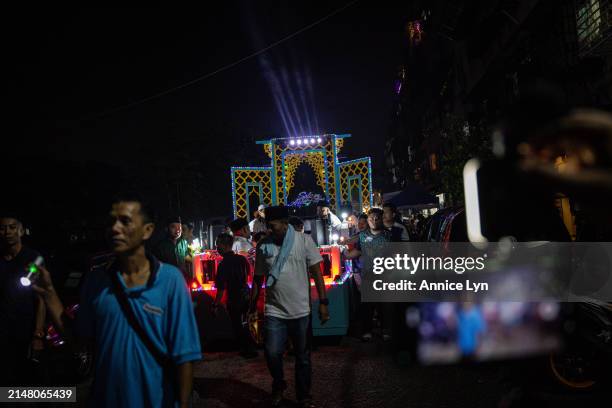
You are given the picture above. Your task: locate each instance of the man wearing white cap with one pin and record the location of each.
(258, 224)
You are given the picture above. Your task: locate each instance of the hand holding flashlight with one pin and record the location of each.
(42, 283)
(33, 270)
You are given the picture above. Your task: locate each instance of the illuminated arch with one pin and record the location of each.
(273, 184)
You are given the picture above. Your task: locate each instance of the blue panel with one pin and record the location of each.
(234, 192)
(337, 175)
(273, 173)
(338, 310)
(370, 181)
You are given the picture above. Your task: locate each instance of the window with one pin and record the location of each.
(588, 21)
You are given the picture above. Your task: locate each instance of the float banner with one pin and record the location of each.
(501, 271)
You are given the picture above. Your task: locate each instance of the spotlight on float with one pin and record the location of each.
(312, 140)
(319, 140)
(32, 270)
(305, 141)
(299, 142)
(292, 142)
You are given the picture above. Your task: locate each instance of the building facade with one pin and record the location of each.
(469, 61)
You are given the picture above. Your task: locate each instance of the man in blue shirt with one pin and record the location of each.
(127, 374)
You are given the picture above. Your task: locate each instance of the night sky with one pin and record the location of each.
(70, 69)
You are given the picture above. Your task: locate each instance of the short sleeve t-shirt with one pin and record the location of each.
(470, 325)
(257, 225)
(17, 302)
(241, 244)
(399, 233)
(123, 362)
(232, 276)
(371, 245)
(289, 297)
(173, 253)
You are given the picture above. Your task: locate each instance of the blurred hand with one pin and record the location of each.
(252, 316)
(323, 314)
(43, 284)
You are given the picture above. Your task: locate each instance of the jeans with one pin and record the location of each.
(276, 332)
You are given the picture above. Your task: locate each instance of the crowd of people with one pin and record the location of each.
(136, 311)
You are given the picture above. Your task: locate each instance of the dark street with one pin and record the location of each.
(356, 374)
(406, 202)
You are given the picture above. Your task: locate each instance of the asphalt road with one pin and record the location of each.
(356, 374)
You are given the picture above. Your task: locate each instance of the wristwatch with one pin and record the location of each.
(324, 301)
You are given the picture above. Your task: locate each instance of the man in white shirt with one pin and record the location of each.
(242, 233)
(333, 223)
(287, 260)
(258, 224)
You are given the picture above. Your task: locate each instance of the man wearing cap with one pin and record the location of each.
(258, 224)
(242, 233)
(332, 221)
(287, 260)
(22, 313)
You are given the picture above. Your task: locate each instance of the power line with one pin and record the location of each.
(224, 68)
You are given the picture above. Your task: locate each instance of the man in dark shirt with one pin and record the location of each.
(391, 221)
(22, 314)
(232, 275)
(371, 244)
(173, 248)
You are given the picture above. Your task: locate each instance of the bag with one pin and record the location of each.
(162, 359)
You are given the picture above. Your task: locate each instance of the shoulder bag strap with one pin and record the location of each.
(162, 359)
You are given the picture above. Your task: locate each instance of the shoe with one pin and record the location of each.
(306, 403)
(366, 337)
(277, 398)
(386, 337)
